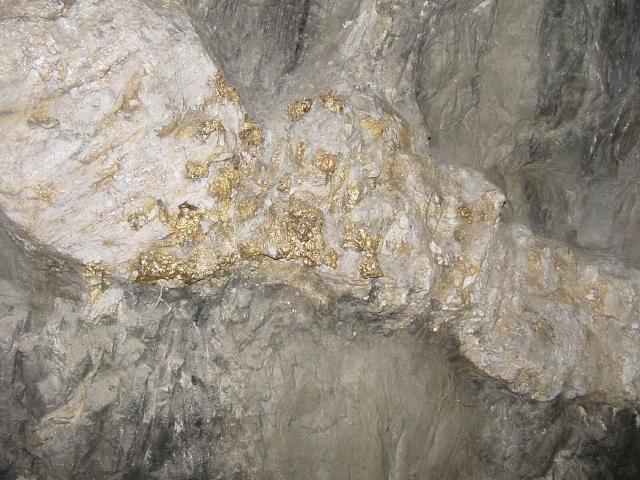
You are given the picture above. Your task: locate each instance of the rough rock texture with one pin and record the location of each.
(554, 321)
(263, 273)
(262, 379)
(541, 95)
(544, 95)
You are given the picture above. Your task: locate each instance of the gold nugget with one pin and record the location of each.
(197, 170)
(325, 161)
(332, 101)
(299, 108)
(224, 89)
(375, 127)
(251, 135)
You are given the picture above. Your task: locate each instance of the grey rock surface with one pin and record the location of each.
(256, 379)
(540, 95)
(228, 252)
(543, 95)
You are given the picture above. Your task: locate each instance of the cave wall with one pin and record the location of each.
(543, 96)
(258, 42)
(274, 372)
(256, 380)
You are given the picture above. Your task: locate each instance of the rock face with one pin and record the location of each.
(262, 272)
(543, 95)
(553, 321)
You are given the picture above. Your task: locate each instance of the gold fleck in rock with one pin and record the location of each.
(361, 239)
(185, 225)
(465, 213)
(355, 194)
(369, 266)
(373, 125)
(304, 221)
(197, 170)
(163, 213)
(247, 209)
(596, 295)
(251, 135)
(325, 161)
(251, 250)
(332, 101)
(275, 156)
(284, 184)
(480, 210)
(204, 263)
(300, 234)
(224, 89)
(299, 108)
(459, 235)
(95, 274)
(222, 186)
(137, 220)
(331, 258)
(209, 126)
(45, 192)
(153, 266)
(96, 269)
(300, 151)
(368, 243)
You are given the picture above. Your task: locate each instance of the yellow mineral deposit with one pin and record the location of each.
(299, 108)
(325, 161)
(251, 135)
(331, 258)
(45, 192)
(301, 148)
(224, 89)
(137, 220)
(209, 126)
(204, 263)
(251, 249)
(465, 213)
(95, 274)
(369, 266)
(96, 269)
(374, 126)
(284, 184)
(332, 101)
(247, 209)
(361, 239)
(154, 265)
(185, 225)
(355, 194)
(197, 170)
(303, 226)
(481, 210)
(223, 184)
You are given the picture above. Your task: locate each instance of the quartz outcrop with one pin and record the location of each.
(195, 273)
